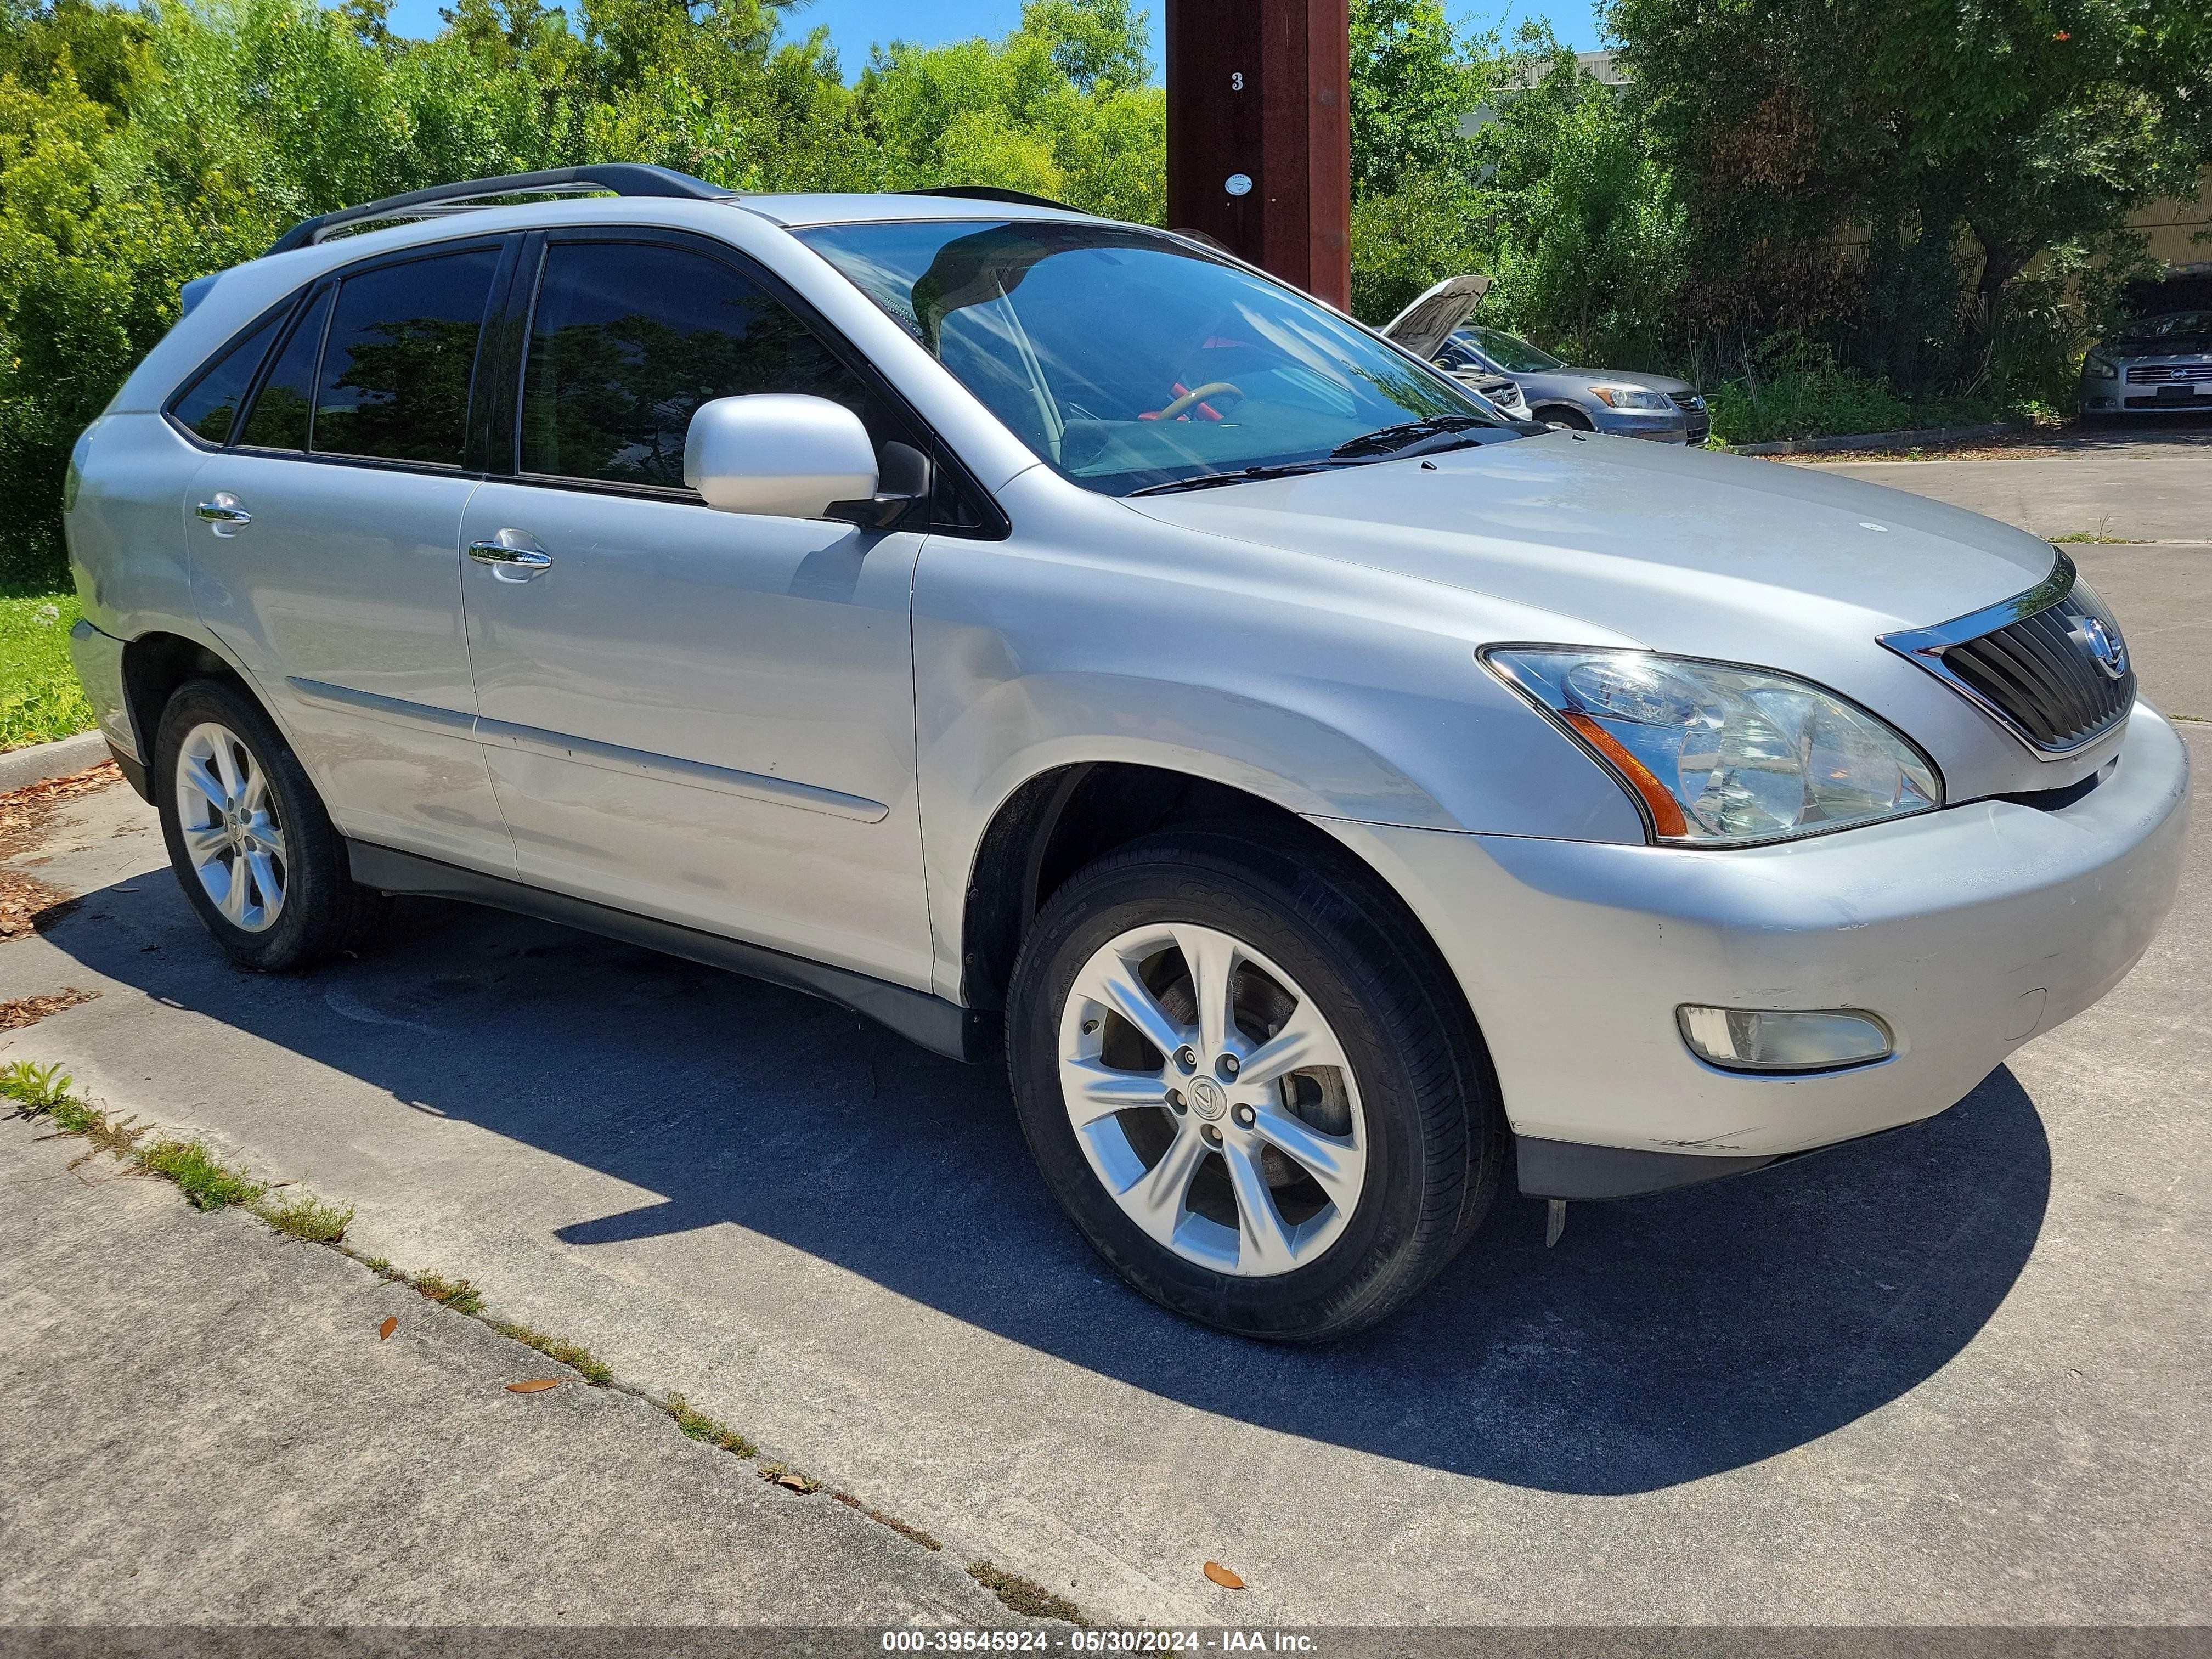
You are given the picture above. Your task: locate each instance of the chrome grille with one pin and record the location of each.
(2167, 374)
(1689, 401)
(2050, 664)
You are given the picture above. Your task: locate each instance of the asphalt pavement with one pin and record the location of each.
(1949, 1376)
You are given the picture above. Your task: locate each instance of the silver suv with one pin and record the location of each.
(1052, 636)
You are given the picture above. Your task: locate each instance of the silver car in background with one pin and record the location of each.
(2159, 365)
(1630, 404)
(1078, 651)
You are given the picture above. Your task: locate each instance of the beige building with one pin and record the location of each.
(2181, 231)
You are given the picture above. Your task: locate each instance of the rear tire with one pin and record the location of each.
(252, 847)
(1289, 1201)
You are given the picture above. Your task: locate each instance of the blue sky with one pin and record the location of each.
(855, 25)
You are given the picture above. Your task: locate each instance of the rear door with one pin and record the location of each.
(706, 717)
(326, 547)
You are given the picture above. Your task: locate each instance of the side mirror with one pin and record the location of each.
(780, 454)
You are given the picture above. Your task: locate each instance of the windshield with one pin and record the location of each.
(1128, 360)
(1509, 351)
(2173, 324)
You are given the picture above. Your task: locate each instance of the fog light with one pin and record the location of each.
(1763, 1040)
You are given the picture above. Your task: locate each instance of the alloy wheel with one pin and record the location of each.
(1213, 1099)
(231, 831)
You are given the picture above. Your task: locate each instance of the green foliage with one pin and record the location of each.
(576, 1356)
(459, 1294)
(208, 1182)
(1795, 389)
(1592, 241)
(139, 149)
(1901, 174)
(697, 1425)
(305, 1216)
(39, 696)
(36, 1089)
(1413, 76)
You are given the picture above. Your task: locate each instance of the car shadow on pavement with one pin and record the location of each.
(1665, 1339)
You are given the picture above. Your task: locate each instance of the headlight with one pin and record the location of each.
(1629, 397)
(1724, 756)
(2095, 367)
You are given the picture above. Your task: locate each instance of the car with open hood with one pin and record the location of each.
(1058, 640)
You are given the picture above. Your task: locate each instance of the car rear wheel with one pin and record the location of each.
(1251, 1083)
(255, 853)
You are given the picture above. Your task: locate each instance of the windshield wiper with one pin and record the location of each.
(1242, 475)
(1396, 440)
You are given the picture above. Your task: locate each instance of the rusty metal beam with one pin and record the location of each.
(1260, 135)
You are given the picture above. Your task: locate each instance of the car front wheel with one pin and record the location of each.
(1251, 1083)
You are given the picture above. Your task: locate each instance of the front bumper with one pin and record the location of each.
(1968, 931)
(1671, 426)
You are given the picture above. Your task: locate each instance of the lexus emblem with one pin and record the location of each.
(2105, 647)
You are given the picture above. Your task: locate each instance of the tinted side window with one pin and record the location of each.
(210, 405)
(628, 339)
(279, 416)
(402, 351)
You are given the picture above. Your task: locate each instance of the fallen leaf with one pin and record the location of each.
(538, 1387)
(1221, 1575)
(390, 1324)
(792, 1481)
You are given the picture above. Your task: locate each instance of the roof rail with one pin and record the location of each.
(993, 193)
(622, 178)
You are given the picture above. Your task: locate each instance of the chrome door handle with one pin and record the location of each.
(216, 512)
(511, 558)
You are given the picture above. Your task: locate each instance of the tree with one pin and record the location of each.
(1412, 81)
(1958, 141)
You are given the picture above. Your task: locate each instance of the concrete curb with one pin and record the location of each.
(1926, 435)
(22, 767)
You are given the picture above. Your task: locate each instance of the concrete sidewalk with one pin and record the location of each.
(206, 1428)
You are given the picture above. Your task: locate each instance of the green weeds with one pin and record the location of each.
(700, 1426)
(577, 1358)
(1024, 1595)
(308, 1217)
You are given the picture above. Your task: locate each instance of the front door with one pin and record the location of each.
(705, 717)
(327, 551)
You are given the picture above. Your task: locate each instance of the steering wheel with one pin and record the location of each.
(1182, 405)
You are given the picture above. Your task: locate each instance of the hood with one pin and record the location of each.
(2158, 345)
(1586, 378)
(1706, 554)
(1423, 327)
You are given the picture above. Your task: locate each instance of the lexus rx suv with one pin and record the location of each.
(1061, 641)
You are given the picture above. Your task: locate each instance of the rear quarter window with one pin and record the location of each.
(209, 404)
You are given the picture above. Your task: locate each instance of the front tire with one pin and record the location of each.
(1251, 1083)
(252, 847)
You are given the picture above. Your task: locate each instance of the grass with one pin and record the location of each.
(698, 1425)
(576, 1356)
(1024, 1595)
(208, 1182)
(39, 696)
(455, 1293)
(304, 1217)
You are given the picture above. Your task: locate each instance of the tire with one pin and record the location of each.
(1402, 1097)
(298, 904)
(1567, 415)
